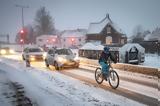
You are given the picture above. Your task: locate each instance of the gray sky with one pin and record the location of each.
(73, 14)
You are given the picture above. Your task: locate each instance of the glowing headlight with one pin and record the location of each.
(76, 58)
(11, 51)
(32, 58)
(3, 51)
(44, 55)
(60, 59)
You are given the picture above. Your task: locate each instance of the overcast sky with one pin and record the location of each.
(73, 14)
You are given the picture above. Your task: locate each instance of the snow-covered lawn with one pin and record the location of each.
(51, 88)
(152, 60)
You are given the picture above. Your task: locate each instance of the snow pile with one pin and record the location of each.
(152, 60)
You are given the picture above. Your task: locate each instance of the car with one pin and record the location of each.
(33, 54)
(61, 57)
(6, 51)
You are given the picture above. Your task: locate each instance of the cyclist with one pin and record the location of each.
(103, 61)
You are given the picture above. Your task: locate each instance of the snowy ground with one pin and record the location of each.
(51, 88)
(152, 60)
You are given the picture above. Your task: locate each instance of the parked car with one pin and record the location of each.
(61, 57)
(33, 54)
(6, 51)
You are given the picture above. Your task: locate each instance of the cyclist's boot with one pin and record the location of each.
(105, 76)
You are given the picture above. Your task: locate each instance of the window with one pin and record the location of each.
(108, 30)
(50, 52)
(108, 40)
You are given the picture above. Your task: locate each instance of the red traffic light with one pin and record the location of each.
(21, 40)
(22, 31)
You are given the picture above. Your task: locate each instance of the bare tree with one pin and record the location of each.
(43, 22)
(138, 32)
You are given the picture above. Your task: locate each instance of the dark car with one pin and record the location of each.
(61, 57)
(6, 51)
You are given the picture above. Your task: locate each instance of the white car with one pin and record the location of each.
(61, 57)
(33, 54)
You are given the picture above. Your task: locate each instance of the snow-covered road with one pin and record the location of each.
(62, 88)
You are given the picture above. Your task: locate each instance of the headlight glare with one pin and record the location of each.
(3, 51)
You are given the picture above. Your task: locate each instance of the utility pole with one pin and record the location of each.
(22, 7)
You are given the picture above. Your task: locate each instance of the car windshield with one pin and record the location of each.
(35, 50)
(64, 52)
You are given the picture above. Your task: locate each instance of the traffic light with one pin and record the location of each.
(22, 31)
(21, 40)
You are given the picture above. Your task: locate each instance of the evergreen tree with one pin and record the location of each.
(43, 22)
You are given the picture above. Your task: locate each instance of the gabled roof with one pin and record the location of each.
(96, 28)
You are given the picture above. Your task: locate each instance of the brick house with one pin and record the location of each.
(106, 32)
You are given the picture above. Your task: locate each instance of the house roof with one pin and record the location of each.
(74, 33)
(95, 28)
(46, 36)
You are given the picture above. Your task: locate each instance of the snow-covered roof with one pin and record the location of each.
(74, 33)
(94, 46)
(128, 46)
(91, 46)
(46, 36)
(95, 28)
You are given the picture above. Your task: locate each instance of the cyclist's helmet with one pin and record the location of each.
(106, 49)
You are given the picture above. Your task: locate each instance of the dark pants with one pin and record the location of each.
(105, 67)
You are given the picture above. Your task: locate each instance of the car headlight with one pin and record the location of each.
(76, 58)
(11, 51)
(44, 55)
(32, 58)
(3, 51)
(60, 59)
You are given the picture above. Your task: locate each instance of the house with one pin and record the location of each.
(106, 32)
(48, 40)
(73, 38)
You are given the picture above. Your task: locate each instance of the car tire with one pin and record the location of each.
(77, 66)
(56, 66)
(46, 63)
(23, 57)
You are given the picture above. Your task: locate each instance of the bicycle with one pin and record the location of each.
(112, 78)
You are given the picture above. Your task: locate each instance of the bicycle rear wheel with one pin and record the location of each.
(98, 76)
(113, 79)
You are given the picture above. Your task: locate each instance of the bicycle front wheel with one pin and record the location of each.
(98, 76)
(113, 79)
